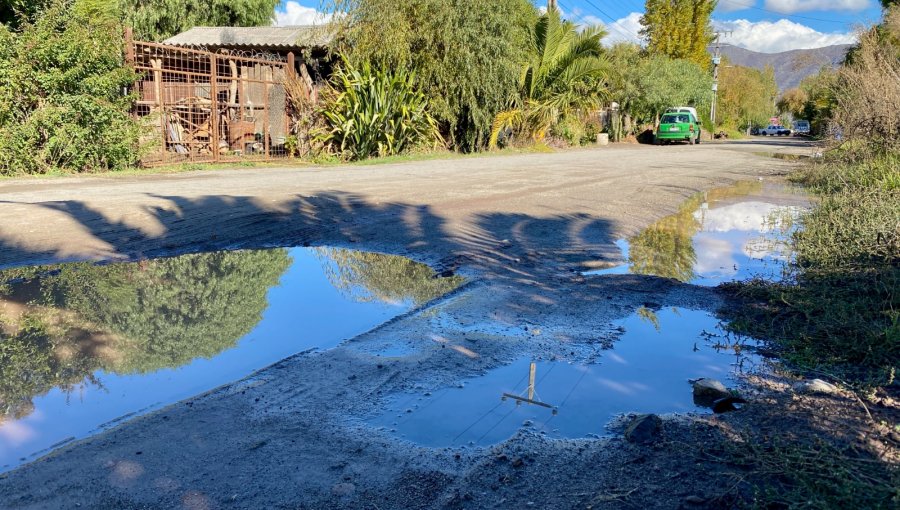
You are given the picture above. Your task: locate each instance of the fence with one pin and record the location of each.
(201, 106)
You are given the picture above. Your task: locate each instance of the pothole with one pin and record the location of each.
(87, 345)
(647, 370)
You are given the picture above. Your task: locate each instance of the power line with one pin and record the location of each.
(627, 33)
(581, 18)
(798, 16)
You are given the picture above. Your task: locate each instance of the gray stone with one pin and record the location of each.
(707, 391)
(645, 428)
(816, 386)
(694, 500)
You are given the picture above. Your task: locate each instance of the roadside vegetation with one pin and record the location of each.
(838, 317)
(416, 77)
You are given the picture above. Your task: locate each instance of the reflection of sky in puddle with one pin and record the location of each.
(646, 371)
(714, 242)
(305, 310)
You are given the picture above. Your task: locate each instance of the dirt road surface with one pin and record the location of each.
(517, 226)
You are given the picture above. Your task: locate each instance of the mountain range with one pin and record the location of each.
(790, 66)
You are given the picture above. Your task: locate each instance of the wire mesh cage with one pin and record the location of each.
(202, 106)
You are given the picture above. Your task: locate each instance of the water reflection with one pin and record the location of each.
(646, 371)
(728, 233)
(367, 276)
(82, 344)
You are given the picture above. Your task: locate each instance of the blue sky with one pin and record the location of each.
(761, 25)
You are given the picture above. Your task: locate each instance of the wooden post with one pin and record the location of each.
(156, 64)
(213, 106)
(531, 373)
(129, 46)
(290, 64)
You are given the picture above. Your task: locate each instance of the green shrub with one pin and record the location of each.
(62, 105)
(375, 112)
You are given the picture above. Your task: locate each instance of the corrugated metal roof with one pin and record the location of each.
(303, 36)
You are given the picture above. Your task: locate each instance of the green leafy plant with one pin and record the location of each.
(375, 112)
(466, 55)
(61, 92)
(561, 78)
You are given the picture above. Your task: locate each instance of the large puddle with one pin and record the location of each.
(647, 370)
(84, 346)
(734, 233)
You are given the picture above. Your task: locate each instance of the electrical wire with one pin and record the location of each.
(798, 16)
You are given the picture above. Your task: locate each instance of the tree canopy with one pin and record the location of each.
(679, 29)
(665, 82)
(156, 20)
(746, 95)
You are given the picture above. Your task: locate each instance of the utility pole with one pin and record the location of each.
(551, 5)
(717, 59)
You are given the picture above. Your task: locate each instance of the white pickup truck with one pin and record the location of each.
(775, 129)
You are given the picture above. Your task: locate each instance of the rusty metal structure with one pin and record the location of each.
(203, 106)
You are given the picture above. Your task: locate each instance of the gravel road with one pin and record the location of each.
(285, 437)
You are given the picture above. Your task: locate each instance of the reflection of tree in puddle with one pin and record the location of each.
(366, 276)
(666, 247)
(62, 323)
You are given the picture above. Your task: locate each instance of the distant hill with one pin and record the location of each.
(790, 66)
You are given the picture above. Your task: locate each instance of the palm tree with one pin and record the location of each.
(563, 77)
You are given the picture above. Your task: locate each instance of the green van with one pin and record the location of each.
(677, 127)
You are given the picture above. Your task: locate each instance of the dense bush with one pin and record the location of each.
(867, 93)
(841, 316)
(467, 55)
(375, 112)
(61, 92)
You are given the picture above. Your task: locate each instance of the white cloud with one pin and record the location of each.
(624, 29)
(296, 14)
(792, 6)
(778, 36)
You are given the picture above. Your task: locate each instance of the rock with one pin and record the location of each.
(816, 386)
(707, 391)
(643, 429)
(694, 500)
(727, 404)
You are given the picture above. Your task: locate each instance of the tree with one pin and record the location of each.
(679, 29)
(169, 311)
(793, 101)
(466, 55)
(156, 20)
(126, 318)
(14, 13)
(665, 82)
(562, 77)
(746, 95)
(366, 276)
(820, 91)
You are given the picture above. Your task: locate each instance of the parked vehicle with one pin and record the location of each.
(775, 130)
(801, 127)
(681, 109)
(678, 127)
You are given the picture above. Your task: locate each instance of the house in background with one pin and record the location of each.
(224, 93)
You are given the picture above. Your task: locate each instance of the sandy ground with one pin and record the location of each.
(289, 436)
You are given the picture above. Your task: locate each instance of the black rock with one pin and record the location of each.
(643, 429)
